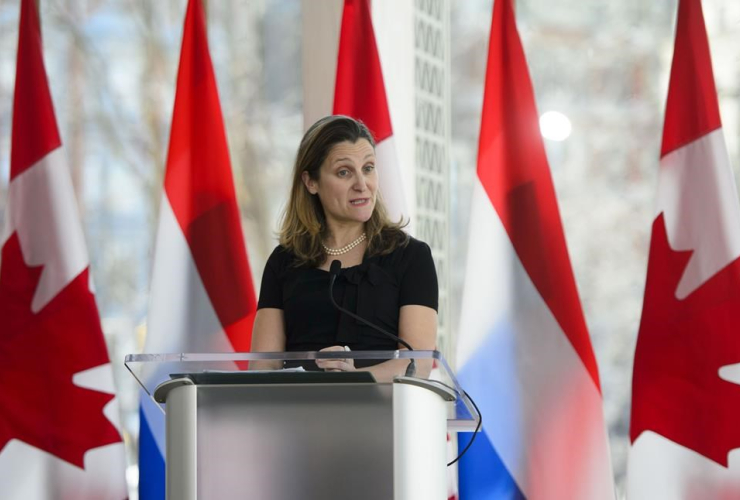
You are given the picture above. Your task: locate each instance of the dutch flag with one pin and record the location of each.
(202, 296)
(524, 352)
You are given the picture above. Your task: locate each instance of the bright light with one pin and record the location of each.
(555, 126)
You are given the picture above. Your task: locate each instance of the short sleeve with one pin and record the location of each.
(419, 281)
(271, 292)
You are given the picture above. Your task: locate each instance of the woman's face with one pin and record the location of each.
(347, 183)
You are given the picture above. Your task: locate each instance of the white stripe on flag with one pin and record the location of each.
(390, 182)
(22, 465)
(43, 210)
(698, 196)
(181, 315)
(654, 461)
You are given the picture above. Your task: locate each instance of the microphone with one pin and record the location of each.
(334, 268)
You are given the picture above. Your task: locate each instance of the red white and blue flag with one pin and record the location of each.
(202, 296)
(524, 352)
(685, 392)
(360, 93)
(59, 435)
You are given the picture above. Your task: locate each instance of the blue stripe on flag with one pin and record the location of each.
(151, 464)
(481, 474)
(490, 377)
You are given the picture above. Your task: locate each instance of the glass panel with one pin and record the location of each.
(151, 370)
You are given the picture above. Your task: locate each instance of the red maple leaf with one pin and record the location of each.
(40, 353)
(676, 388)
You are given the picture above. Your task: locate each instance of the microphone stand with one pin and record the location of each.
(336, 265)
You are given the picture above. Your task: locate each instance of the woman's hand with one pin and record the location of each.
(336, 365)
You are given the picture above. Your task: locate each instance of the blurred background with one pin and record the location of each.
(599, 69)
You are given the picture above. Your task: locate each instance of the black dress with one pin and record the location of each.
(375, 290)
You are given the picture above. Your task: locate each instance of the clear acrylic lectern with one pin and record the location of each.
(237, 430)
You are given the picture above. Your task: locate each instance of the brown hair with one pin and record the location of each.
(303, 223)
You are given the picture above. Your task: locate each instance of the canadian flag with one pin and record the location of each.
(685, 428)
(523, 350)
(360, 93)
(59, 434)
(202, 296)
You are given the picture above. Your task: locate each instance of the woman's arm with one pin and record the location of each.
(268, 335)
(417, 325)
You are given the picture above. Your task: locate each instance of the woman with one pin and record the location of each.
(388, 278)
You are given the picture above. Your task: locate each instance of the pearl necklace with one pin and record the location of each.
(345, 248)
